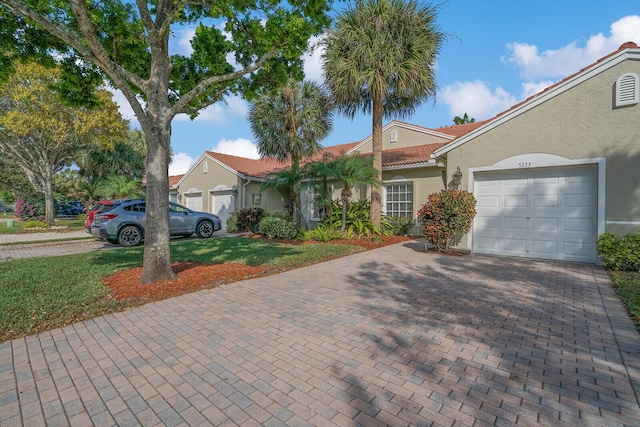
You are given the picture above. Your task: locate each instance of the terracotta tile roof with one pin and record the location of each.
(260, 168)
(173, 179)
(409, 155)
(460, 130)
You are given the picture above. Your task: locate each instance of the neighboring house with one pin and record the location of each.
(550, 174)
(173, 190)
(562, 167)
(222, 183)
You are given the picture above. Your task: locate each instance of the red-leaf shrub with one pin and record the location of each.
(447, 214)
(248, 219)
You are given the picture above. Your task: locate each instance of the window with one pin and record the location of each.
(627, 90)
(135, 207)
(173, 197)
(256, 199)
(400, 199)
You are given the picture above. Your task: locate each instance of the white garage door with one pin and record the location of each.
(547, 213)
(222, 205)
(193, 201)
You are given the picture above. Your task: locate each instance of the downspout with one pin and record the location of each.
(244, 191)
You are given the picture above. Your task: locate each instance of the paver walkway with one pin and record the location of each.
(387, 337)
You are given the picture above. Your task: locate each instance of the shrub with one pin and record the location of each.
(620, 254)
(446, 215)
(397, 225)
(358, 223)
(232, 223)
(322, 233)
(279, 214)
(277, 228)
(31, 208)
(248, 219)
(35, 224)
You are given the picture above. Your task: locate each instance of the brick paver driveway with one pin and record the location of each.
(388, 337)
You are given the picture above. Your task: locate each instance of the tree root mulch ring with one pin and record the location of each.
(192, 276)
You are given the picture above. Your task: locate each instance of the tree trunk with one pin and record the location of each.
(49, 201)
(157, 251)
(345, 195)
(375, 211)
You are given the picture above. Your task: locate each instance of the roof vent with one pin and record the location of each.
(394, 136)
(627, 90)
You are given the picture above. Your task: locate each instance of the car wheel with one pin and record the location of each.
(130, 236)
(205, 229)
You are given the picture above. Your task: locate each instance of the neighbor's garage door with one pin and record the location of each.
(193, 201)
(547, 213)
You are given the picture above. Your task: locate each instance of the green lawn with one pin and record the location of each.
(44, 293)
(19, 225)
(627, 286)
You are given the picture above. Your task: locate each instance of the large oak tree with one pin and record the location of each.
(239, 46)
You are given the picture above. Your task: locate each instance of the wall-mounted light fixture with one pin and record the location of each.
(457, 177)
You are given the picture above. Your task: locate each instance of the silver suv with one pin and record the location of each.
(124, 223)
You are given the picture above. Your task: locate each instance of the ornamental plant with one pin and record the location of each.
(277, 228)
(447, 214)
(620, 254)
(30, 208)
(248, 219)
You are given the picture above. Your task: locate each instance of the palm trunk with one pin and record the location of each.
(375, 211)
(345, 195)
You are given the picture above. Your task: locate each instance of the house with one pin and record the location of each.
(550, 174)
(173, 191)
(222, 183)
(555, 171)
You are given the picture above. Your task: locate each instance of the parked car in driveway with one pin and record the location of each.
(124, 222)
(100, 206)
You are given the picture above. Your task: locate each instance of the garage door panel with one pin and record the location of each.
(537, 213)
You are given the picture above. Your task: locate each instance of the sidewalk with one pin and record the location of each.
(49, 235)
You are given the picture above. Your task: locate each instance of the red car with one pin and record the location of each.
(100, 206)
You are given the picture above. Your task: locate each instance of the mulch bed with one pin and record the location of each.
(191, 276)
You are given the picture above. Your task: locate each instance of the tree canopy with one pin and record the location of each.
(42, 135)
(240, 46)
(380, 59)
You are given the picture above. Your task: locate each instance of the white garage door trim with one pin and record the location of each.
(542, 160)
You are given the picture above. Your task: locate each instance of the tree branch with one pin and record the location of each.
(182, 105)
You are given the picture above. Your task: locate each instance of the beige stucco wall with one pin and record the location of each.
(580, 123)
(406, 138)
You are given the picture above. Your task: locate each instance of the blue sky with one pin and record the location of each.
(498, 53)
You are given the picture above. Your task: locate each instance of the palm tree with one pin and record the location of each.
(319, 175)
(287, 182)
(352, 171)
(121, 186)
(379, 59)
(289, 125)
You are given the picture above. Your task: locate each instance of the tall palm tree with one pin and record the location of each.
(352, 171)
(290, 124)
(287, 182)
(379, 59)
(319, 175)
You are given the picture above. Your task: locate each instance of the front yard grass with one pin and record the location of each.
(43, 293)
(19, 225)
(627, 285)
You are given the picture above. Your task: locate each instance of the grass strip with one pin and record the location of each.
(627, 285)
(43, 293)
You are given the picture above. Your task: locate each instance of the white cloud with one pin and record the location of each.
(476, 99)
(123, 105)
(184, 40)
(180, 163)
(237, 106)
(313, 60)
(237, 147)
(213, 114)
(559, 63)
(531, 88)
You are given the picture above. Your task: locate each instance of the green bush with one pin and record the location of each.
(620, 254)
(232, 223)
(249, 218)
(322, 233)
(31, 208)
(279, 214)
(277, 228)
(397, 225)
(447, 214)
(35, 224)
(358, 223)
